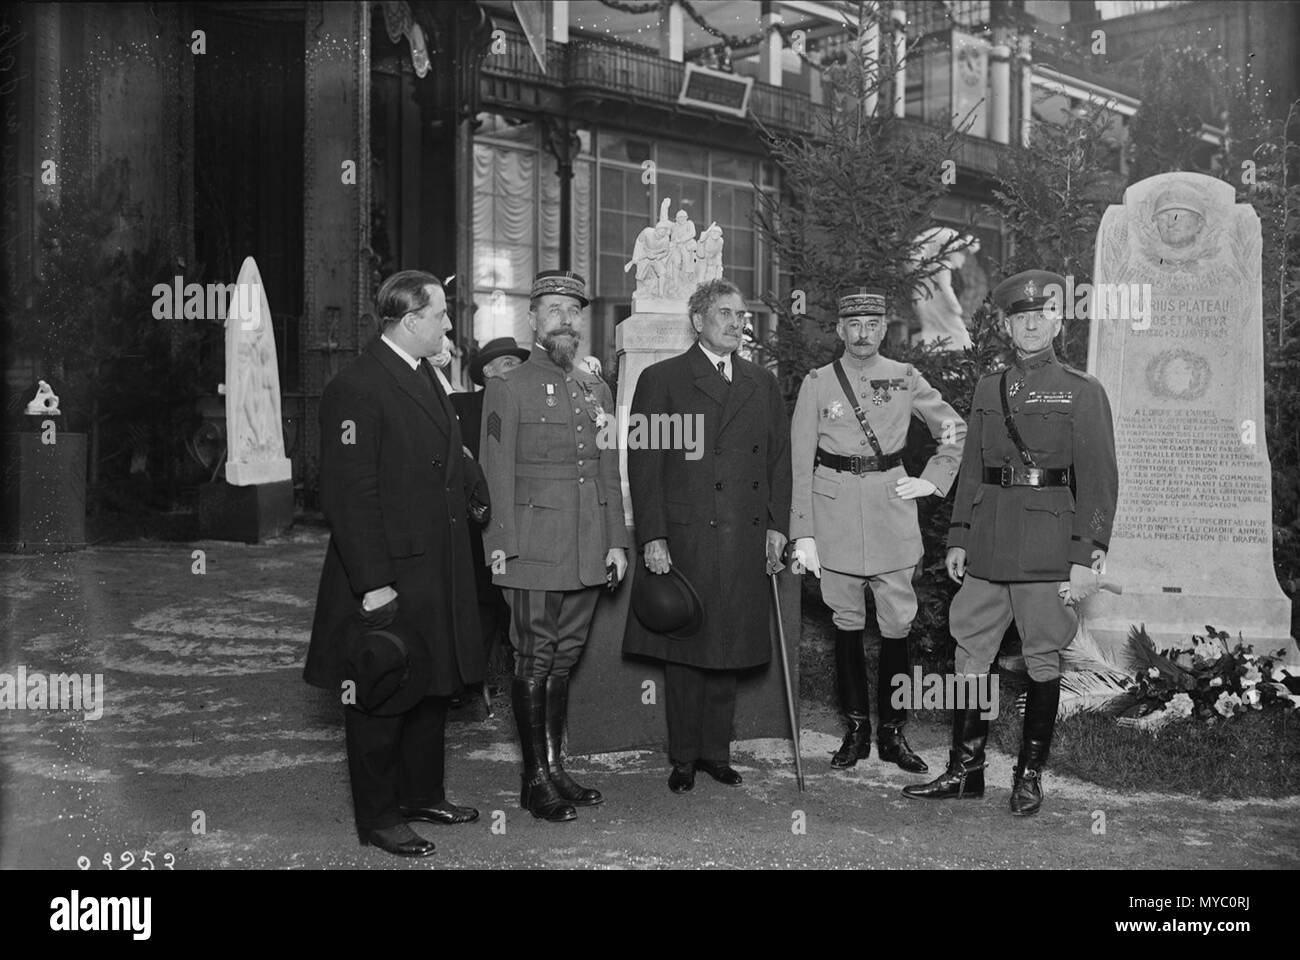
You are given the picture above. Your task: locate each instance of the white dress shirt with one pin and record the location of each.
(715, 359)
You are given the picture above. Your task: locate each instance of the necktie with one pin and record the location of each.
(722, 369)
(430, 379)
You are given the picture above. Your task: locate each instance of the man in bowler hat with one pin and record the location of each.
(493, 360)
(392, 490)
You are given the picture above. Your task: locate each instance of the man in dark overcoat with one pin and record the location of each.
(392, 490)
(718, 510)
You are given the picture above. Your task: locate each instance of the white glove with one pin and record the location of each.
(804, 558)
(910, 488)
(441, 359)
(592, 365)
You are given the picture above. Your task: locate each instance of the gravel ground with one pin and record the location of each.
(212, 750)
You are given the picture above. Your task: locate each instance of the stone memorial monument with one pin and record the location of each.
(1177, 341)
(616, 703)
(256, 499)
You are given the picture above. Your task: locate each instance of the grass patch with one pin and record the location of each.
(1257, 755)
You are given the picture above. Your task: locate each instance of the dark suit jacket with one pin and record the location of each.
(469, 408)
(714, 504)
(392, 489)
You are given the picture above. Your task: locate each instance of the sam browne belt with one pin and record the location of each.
(858, 465)
(1010, 476)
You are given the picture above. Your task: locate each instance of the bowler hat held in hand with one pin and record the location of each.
(667, 603)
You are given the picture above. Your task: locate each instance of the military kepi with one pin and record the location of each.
(865, 302)
(564, 282)
(1028, 290)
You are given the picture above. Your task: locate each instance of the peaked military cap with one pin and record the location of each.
(564, 282)
(866, 302)
(1028, 290)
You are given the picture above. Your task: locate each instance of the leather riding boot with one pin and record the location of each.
(557, 709)
(538, 795)
(894, 747)
(1041, 703)
(855, 703)
(965, 774)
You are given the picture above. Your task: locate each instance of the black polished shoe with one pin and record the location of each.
(1041, 704)
(400, 841)
(443, 812)
(682, 778)
(857, 742)
(894, 749)
(720, 772)
(537, 794)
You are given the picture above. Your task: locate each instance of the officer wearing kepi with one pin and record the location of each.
(853, 516)
(1034, 506)
(557, 534)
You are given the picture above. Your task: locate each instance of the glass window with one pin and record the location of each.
(624, 149)
(727, 167)
(684, 159)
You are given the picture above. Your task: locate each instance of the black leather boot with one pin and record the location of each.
(851, 682)
(538, 795)
(965, 774)
(893, 745)
(557, 709)
(1041, 703)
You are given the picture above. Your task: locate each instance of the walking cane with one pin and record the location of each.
(789, 689)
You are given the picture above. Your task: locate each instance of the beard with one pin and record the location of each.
(561, 346)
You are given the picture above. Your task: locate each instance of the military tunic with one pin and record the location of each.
(1035, 533)
(557, 499)
(861, 525)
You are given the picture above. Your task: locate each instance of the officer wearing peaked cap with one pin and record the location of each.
(1035, 501)
(557, 523)
(853, 516)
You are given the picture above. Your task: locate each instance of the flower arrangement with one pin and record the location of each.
(1212, 680)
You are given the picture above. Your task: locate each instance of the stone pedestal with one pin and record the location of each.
(44, 492)
(617, 702)
(250, 513)
(1193, 539)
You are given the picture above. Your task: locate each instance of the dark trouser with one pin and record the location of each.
(549, 629)
(494, 616)
(395, 761)
(700, 706)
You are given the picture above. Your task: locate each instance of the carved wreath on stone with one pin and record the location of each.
(1178, 375)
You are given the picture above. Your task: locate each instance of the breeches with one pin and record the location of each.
(550, 629)
(895, 600)
(982, 611)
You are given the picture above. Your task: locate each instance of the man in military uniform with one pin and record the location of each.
(853, 514)
(1035, 502)
(557, 525)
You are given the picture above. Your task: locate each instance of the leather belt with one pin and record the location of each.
(858, 465)
(1011, 476)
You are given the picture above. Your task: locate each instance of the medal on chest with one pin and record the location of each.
(1015, 387)
(550, 395)
(883, 389)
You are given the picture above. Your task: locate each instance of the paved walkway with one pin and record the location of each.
(207, 724)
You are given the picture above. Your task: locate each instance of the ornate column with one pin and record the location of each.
(336, 201)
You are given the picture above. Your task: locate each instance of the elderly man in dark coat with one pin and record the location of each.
(719, 512)
(392, 489)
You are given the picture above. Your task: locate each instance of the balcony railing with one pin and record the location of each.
(588, 68)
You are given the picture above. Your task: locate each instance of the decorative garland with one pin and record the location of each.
(635, 8)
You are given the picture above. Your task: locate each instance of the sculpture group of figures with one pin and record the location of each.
(671, 260)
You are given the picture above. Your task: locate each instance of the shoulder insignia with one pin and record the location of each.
(1078, 373)
(494, 425)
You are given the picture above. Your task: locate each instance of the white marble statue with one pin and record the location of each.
(45, 403)
(254, 430)
(708, 254)
(650, 257)
(681, 257)
(934, 301)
